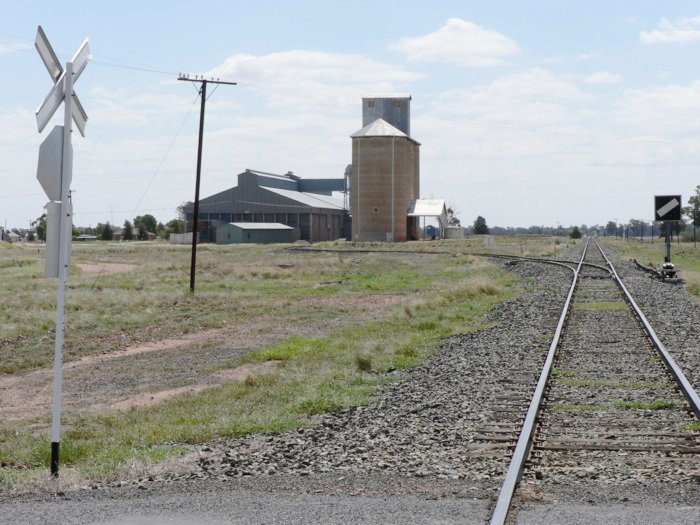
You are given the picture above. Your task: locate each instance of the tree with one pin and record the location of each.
(146, 222)
(692, 211)
(143, 234)
(39, 226)
(611, 228)
(181, 210)
(176, 226)
(480, 227)
(105, 231)
(127, 231)
(575, 233)
(30, 236)
(452, 219)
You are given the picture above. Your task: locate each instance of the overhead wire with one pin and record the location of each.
(165, 155)
(98, 59)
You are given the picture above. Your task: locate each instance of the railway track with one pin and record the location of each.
(610, 405)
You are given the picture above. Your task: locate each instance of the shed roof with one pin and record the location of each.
(313, 200)
(387, 95)
(261, 226)
(429, 208)
(379, 128)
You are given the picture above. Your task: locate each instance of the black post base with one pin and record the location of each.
(54, 458)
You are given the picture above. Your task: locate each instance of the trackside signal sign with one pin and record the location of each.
(667, 207)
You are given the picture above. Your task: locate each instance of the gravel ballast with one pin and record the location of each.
(424, 425)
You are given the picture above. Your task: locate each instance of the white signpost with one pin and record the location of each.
(55, 172)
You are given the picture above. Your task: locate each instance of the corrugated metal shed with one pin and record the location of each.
(254, 233)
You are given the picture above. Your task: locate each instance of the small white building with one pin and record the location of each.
(430, 208)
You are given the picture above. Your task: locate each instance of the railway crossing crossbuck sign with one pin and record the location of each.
(667, 207)
(55, 173)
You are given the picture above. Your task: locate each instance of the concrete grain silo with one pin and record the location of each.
(384, 183)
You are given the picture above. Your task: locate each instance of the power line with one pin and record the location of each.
(133, 68)
(102, 60)
(165, 155)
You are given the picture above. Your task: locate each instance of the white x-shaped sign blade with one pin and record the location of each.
(56, 95)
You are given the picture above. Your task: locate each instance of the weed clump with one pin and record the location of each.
(363, 362)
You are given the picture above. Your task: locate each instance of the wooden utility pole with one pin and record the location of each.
(195, 220)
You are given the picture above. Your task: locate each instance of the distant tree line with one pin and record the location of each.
(138, 229)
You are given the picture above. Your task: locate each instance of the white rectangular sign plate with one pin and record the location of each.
(667, 207)
(50, 104)
(80, 60)
(47, 54)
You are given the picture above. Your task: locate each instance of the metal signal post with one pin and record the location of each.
(195, 219)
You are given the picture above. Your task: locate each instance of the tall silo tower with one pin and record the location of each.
(394, 109)
(384, 183)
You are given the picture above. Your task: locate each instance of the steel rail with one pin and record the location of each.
(558, 262)
(683, 383)
(524, 444)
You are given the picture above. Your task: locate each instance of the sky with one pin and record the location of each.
(528, 112)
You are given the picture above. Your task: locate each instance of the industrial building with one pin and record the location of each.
(385, 180)
(305, 205)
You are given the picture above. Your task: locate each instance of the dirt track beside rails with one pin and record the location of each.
(151, 372)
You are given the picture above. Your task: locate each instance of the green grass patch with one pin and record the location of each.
(638, 405)
(284, 350)
(695, 425)
(561, 372)
(603, 306)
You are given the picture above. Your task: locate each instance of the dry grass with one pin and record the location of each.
(236, 284)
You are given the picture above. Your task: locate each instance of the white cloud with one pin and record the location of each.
(538, 133)
(589, 56)
(461, 43)
(551, 60)
(603, 77)
(536, 95)
(6, 49)
(680, 31)
(670, 111)
(312, 79)
(122, 107)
